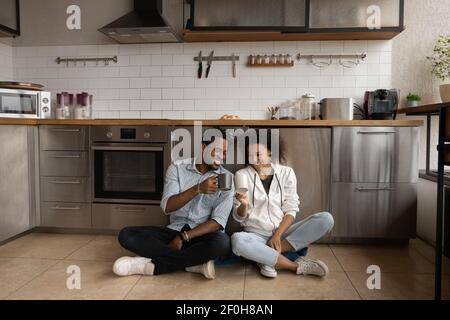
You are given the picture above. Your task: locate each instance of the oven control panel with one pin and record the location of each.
(130, 134)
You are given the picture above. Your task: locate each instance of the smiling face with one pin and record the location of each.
(259, 157)
(215, 153)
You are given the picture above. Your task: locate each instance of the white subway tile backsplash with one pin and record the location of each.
(160, 80)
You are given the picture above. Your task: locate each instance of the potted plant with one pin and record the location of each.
(441, 64)
(413, 100)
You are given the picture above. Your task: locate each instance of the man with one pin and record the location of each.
(198, 214)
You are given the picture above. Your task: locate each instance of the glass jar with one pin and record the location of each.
(64, 105)
(307, 107)
(84, 106)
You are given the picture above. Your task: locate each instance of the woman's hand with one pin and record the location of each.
(176, 243)
(242, 198)
(275, 243)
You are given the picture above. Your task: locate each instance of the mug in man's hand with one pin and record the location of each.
(225, 181)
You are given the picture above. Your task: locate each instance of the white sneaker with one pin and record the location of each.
(267, 271)
(312, 267)
(206, 269)
(127, 266)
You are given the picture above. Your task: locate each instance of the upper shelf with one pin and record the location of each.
(244, 36)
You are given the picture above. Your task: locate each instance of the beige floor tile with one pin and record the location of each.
(288, 286)
(16, 272)
(97, 283)
(44, 246)
(401, 259)
(102, 248)
(228, 285)
(429, 253)
(324, 253)
(395, 286)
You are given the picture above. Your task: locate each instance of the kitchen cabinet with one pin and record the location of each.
(374, 182)
(9, 18)
(292, 20)
(65, 183)
(16, 188)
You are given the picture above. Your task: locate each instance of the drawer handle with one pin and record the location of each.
(67, 157)
(377, 132)
(374, 189)
(65, 182)
(65, 130)
(66, 208)
(130, 210)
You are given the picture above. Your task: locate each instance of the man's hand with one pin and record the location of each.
(176, 243)
(275, 242)
(209, 186)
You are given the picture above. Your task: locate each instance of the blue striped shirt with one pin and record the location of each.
(183, 175)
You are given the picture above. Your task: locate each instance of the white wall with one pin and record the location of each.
(411, 71)
(159, 81)
(6, 62)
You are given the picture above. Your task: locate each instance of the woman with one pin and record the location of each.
(266, 205)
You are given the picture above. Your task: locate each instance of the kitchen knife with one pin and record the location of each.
(233, 62)
(200, 65)
(210, 60)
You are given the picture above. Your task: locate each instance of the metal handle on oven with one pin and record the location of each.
(377, 132)
(374, 189)
(66, 208)
(121, 209)
(65, 182)
(65, 130)
(109, 148)
(66, 156)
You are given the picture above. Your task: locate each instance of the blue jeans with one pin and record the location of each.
(300, 235)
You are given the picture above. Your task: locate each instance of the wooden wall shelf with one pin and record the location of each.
(241, 36)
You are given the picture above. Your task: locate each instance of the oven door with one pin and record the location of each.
(128, 173)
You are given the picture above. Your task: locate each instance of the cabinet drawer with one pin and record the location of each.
(65, 189)
(116, 217)
(66, 215)
(64, 163)
(375, 155)
(64, 138)
(374, 210)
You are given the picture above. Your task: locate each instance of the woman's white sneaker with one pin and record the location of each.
(127, 266)
(311, 267)
(267, 271)
(207, 269)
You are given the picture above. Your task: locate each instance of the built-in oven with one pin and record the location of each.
(129, 164)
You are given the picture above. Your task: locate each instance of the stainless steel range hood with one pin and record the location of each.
(152, 21)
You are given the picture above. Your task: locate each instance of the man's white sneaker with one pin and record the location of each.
(127, 266)
(267, 271)
(207, 269)
(312, 267)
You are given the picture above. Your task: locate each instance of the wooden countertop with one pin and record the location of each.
(233, 123)
(429, 109)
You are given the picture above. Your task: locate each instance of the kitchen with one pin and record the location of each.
(92, 158)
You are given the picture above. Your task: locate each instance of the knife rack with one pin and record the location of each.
(217, 58)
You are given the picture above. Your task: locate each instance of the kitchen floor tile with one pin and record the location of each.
(102, 248)
(289, 286)
(44, 246)
(395, 286)
(16, 272)
(324, 253)
(429, 253)
(403, 259)
(228, 285)
(98, 282)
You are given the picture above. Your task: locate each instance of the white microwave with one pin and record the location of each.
(29, 104)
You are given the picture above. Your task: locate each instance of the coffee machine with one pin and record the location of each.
(381, 104)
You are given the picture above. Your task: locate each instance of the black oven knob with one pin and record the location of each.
(109, 135)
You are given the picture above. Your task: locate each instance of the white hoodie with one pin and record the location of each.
(265, 213)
